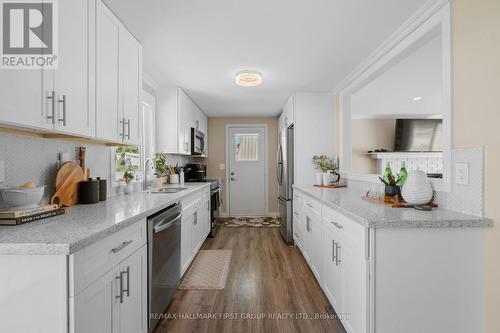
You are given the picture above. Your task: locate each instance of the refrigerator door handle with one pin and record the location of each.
(279, 166)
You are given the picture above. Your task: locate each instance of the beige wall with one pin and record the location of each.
(217, 153)
(369, 134)
(476, 59)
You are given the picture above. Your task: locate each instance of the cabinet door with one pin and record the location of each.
(184, 126)
(354, 288)
(332, 271)
(316, 255)
(186, 236)
(108, 124)
(22, 99)
(71, 79)
(306, 239)
(130, 85)
(134, 308)
(96, 308)
(298, 229)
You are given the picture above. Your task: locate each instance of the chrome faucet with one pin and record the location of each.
(146, 180)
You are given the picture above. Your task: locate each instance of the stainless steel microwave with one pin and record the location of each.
(198, 145)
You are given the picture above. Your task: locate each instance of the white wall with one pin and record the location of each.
(393, 92)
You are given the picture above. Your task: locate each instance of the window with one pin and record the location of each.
(247, 147)
(125, 159)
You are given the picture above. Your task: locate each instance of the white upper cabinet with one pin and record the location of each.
(175, 116)
(57, 99)
(119, 77)
(130, 81)
(66, 89)
(96, 89)
(108, 125)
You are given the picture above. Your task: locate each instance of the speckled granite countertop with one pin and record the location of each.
(348, 202)
(83, 225)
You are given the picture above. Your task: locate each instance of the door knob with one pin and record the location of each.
(233, 179)
(232, 173)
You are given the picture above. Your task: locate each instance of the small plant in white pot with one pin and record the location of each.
(328, 167)
(128, 177)
(161, 167)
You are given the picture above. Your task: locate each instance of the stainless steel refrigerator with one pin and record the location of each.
(284, 172)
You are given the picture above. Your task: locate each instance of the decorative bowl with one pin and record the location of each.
(23, 197)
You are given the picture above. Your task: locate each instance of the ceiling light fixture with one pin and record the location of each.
(418, 98)
(248, 78)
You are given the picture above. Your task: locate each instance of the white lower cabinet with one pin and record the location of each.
(335, 248)
(108, 293)
(195, 226)
(95, 309)
(332, 281)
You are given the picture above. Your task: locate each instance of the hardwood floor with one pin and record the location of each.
(267, 279)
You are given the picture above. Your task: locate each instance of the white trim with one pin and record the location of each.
(435, 14)
(150, 81)
(266, 175)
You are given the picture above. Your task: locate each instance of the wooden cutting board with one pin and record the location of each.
(67, 179)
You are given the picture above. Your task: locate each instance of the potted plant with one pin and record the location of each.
(329, 169)
(161, 167)
(128, 177)
(391, 185)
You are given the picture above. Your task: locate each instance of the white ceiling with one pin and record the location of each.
(297, 45)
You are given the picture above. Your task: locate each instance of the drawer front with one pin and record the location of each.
(311, 207)
(92, 262)
(349, 230)
(297, 203)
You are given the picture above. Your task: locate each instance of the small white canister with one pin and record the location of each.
(319, 178)
(174, 179)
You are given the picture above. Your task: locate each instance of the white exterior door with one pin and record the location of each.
(247, 170)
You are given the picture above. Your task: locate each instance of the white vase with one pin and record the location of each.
(417, 190)
(319, 178)
(128, 188)
(327, 178)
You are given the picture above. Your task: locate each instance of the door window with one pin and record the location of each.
(246, 147)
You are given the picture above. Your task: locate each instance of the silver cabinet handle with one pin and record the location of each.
(128, 281)
(128, 129)
(120, 296)
(121, 246)
(311, 206)
(333, 251)
(122, 134)
(339, 226)
(337, 257)
(52, 97)
(63, 101)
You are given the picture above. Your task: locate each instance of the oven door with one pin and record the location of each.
(197, 142)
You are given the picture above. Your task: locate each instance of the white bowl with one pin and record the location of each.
(22, 197)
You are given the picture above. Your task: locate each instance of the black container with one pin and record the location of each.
(88, 191)
(392, 190)
(103, 189)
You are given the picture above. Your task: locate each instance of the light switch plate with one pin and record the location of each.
(462, 173)
(222, 166)
(2, 171)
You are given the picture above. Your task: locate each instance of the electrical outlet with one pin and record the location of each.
(222, 167)
(462, 173)
(2, 171)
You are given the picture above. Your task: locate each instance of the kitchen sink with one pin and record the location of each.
(169, 190)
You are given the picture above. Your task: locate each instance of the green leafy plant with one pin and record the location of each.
(391, 180)
(160, 164)
(324, 163)
(128, 177)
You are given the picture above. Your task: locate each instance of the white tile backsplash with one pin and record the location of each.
(466, 199)
(29, 158)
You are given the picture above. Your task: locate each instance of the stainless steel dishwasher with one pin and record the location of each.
(164, 260)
